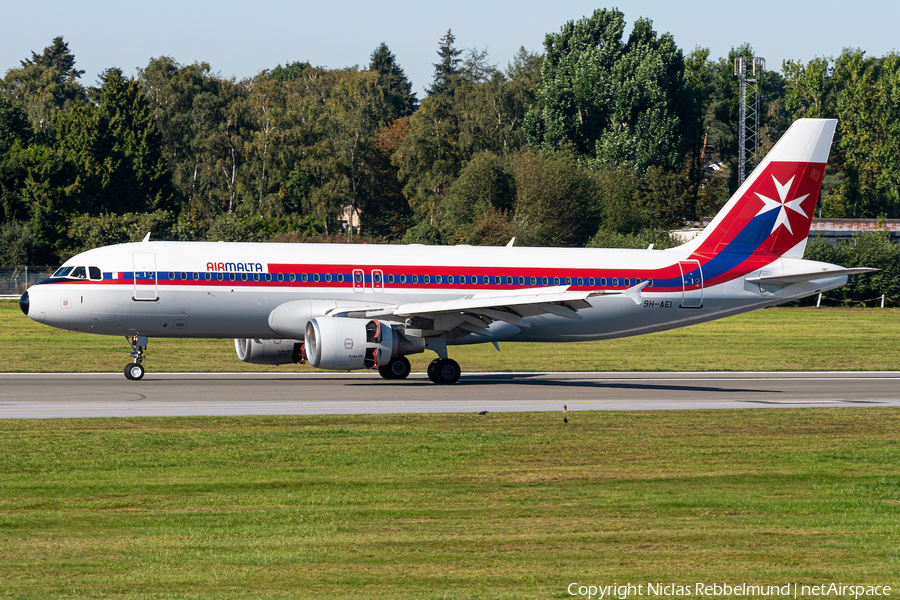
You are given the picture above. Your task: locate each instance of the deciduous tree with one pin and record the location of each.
(615, 101)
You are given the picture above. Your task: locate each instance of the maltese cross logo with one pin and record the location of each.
(782, 204)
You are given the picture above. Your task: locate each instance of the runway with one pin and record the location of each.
(67, 395)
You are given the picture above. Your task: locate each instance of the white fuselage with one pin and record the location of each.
(230, 290)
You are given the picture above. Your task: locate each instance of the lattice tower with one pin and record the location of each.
(748, 70)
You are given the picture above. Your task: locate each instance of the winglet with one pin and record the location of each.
(146, 237)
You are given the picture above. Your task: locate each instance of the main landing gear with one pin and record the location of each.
(398, 368)
(444, 371)
(135, 370)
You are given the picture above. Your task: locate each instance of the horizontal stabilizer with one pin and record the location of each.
(782, 280)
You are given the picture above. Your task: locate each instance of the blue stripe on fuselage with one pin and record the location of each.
(744, 244)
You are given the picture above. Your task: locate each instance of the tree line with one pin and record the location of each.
(605, 138)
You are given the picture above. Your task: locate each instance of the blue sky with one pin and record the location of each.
(240, 38)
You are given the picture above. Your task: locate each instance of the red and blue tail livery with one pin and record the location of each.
(345, 307)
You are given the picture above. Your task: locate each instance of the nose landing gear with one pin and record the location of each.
(135, 370)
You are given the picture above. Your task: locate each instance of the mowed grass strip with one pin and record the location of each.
(446, 506)
(770, 340)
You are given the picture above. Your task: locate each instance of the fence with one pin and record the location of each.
(15, 280)
(883, 299)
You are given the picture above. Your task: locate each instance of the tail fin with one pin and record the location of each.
(770, 215)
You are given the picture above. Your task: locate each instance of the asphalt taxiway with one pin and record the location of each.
(58, 395)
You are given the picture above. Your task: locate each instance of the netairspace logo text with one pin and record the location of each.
(624, 591)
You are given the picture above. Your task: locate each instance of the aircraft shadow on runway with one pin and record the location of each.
(492, 379)
(531, 379)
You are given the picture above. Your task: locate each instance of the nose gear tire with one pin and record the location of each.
(134, 371)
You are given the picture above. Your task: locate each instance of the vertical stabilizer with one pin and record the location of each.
(770, 215)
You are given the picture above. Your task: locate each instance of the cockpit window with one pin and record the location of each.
(78, 273)
(95, 273)
(62, 271)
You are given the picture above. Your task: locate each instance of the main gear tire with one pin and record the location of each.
(398, 368)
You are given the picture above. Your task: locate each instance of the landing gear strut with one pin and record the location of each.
(135, 370)
(444, 371)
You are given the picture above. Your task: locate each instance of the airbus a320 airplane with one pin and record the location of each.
(344, 307)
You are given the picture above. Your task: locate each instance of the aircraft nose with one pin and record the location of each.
(24, 303)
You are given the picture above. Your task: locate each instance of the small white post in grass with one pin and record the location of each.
(882, 301)
(819, 301)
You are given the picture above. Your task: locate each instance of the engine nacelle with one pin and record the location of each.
(341, 343)
(269, 352)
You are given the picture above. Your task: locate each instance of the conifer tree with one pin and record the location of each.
(392, 79)
(56, 55)
(447, 75)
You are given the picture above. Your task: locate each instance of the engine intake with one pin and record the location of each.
(269, 352)
(340, 343)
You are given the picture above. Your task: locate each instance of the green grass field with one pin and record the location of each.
(499, 506)
(770, 340)
(446, 506)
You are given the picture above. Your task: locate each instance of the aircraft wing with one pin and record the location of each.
(782, 280)
(474, 313)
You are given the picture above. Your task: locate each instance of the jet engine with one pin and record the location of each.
(269, 352)
(341, 343)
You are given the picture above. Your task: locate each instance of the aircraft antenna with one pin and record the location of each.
(748, 70)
